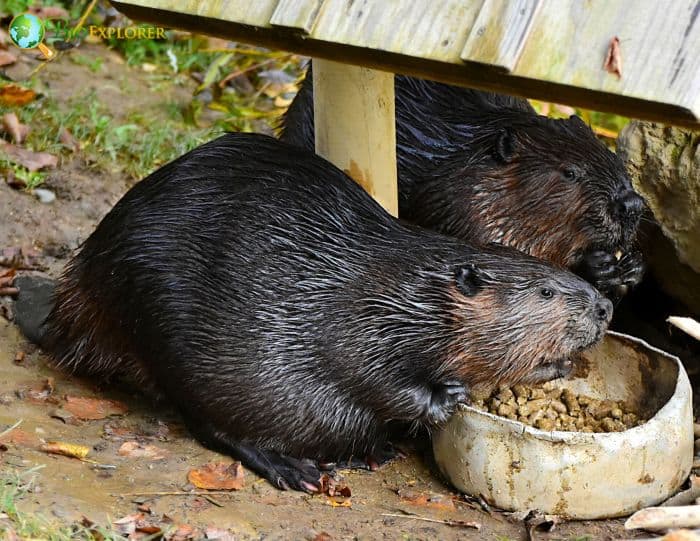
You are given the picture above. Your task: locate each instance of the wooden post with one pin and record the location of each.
(355, 126)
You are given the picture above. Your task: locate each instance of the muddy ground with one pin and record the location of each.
(109, 485)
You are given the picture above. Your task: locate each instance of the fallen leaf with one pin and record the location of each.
(7, 58)
(12, 125)
(20, 437)
(613, 58)
(323, 536)
(339, 502)
(42, 393)
(68, 141)
(28, 158)
(184, 532)
(134, 449)
(432, 500)
(127, 525)
(218, 476)
(72, 450)
(90, 409)
(20, 355)
(14, 95)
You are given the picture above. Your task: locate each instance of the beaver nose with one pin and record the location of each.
(628, 204)
(603, 310)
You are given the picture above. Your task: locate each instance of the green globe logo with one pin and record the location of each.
(27, 31)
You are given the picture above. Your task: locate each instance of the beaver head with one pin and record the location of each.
(547, 187)
(518, 319)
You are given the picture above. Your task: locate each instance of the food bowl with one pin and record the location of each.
(576, 474)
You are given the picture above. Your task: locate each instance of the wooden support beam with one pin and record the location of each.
(356, 127)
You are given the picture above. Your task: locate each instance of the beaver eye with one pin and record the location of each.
(570, 173)
(546, 293)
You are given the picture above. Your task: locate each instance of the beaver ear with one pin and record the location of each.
(468, 279)
(505, 146)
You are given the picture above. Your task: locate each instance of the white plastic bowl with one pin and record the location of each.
(576, 474)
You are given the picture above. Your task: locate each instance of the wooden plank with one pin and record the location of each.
(355, 126)
(425, 28)
(296, 14)
(659, 43)
(561, 61)
(257, 13)
(500, 32)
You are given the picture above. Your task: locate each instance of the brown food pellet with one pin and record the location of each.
(549, 408)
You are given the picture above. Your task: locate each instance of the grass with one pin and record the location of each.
(16, 485)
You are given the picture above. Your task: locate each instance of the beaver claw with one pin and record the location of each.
(611, 276)
(444, 400)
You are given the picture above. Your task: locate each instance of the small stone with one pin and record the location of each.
(45, 196)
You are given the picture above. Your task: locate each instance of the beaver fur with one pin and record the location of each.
(289, 317)
(487, 167)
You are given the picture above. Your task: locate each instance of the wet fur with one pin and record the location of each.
(287, 315)
(486, 167)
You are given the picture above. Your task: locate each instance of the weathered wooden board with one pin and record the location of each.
(297, 14)
(659, 44)
(547, 49)
(436, 30)
(500, 31)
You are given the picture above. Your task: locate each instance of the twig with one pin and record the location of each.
(173, 493)
(8, 430)
(236, 73)
(453, 523)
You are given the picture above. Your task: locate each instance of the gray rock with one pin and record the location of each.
(45, 196)
(664, 164)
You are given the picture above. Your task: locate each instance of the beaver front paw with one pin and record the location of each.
(444, 400)
(611, 276)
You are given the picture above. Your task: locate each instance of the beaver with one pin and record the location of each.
(292, 320)
(486, 167)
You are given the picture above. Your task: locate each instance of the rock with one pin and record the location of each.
(45, 196)
(664, 164)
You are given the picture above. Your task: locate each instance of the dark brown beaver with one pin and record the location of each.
(288, 316)
(486, 167)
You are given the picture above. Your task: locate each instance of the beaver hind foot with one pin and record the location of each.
(282, 471)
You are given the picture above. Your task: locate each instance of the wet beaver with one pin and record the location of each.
(288, 316)
(487, 167)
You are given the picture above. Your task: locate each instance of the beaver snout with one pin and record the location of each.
(628, 205)
(602, 310)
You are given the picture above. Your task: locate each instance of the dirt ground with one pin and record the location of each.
(112, 485)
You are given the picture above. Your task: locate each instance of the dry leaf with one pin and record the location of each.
(66, 449)
(68, 141)
(323, 536)
(42, 393)
(14, 95)
(218, 476)
(184, 532)
(339, 502)
(20, 437)
(134, 449)
(613, 58)
(432, 500)
(28, 158)
(90, 409)
(127, 525)
(7, 58)
(12, 125)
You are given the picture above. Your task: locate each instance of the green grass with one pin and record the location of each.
(15, 485)
(136, 146)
